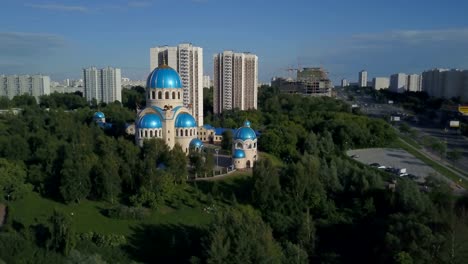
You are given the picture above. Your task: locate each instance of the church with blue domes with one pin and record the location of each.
(244, 147)
(165, 117)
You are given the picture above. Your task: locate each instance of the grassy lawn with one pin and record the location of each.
(276, 161)
(435, 165)
(411, 141)
(88, 217)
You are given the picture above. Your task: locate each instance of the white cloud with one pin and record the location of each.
(138, 4)
(60, 7)
(414, 36)
(21, 44)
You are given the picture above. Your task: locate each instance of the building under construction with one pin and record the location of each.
(309, 81)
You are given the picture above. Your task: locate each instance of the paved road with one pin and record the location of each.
(425, 127)
(454, 140)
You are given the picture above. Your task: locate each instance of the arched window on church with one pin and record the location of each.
(151, 133)
(173, 95)
(167, 95)
(153, 95)
(186, 132)
(146, 133)
(239, 145)
(159, 95)
(178, 95)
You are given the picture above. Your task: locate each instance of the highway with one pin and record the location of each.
(424, 126)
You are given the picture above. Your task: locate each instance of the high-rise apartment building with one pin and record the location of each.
(235, 81)
(379, 83)
(444, 83)
(206, 81)
(35, 85)
(399, 83)
(414, 83)
(187, 60)
(104, 85)
(344, 83)
(363, 78)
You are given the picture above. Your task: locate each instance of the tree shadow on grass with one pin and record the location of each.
(240, 187)
(165, 243)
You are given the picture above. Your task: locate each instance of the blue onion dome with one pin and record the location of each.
(98, 115)
(150, 121)
(185, 120)
(238, 154)
(196, 143)
(245, 132)
(163, 77)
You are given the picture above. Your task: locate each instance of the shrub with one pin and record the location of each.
(125, 212)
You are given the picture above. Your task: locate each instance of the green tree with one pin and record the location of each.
(62, 234)
(106, 179)
(177, 164)
(266, 185)
(404, 128)
(240, 236)
(12, 180)
(75, 183)
(5, 103)
(226, 142)
(294, 254)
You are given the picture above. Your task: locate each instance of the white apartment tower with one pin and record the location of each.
(379, 83)
(187, 60)
(399, 83)
(235, 81)
(363, 78)
(206, 81)
(104, 85)
(414, 83)
(35, 85)
(344, 83)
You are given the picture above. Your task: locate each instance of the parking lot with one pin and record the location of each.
(395, 158)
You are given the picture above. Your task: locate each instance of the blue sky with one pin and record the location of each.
(59, 38)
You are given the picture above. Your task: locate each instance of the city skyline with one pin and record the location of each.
(120, 34)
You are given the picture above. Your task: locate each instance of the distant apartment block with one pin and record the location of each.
(35, 85)
(235, 81)
(104, 85)
(206, 81)
(414, 83)
(187, 60)
(363, 78)
(344, 83)
(398, 83)
(379, 83)
(445, 83)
